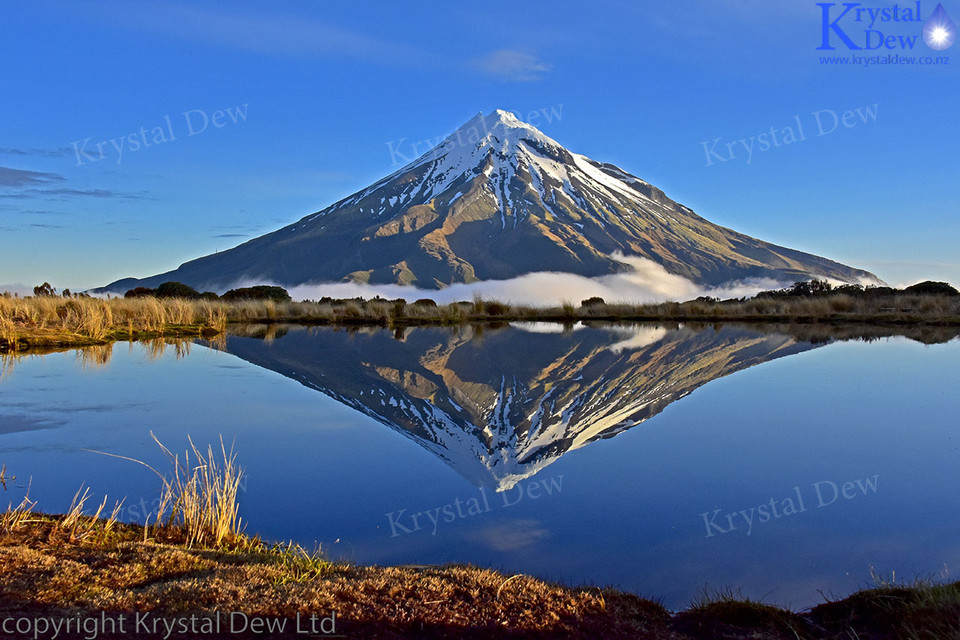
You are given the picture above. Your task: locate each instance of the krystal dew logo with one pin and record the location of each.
(860, 27)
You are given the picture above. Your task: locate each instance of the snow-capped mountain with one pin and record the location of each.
(495, 200)
(500, 406)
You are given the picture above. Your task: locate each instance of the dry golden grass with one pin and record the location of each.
(15, 517)
(203, 494)
(44, 573)
(50, 320)
(79, 525)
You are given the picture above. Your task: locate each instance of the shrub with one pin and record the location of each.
(177, 290)
(929, 287)
(259, 292)
(140, 292)
(593, 302)
(879, 292)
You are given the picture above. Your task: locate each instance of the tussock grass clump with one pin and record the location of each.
(78, 525)
(51, 320)
(201, 496)
(16, 517)
(298, 564)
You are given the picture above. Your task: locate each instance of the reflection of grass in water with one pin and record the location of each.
(156, 348)
(896, 308)
(7, 363)
(4, 478)
(95, 356)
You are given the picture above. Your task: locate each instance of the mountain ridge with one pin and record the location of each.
(495, 200)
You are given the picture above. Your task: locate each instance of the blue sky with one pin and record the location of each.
(319, 99)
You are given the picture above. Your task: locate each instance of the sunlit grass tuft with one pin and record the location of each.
(201, 496)
(16, 517)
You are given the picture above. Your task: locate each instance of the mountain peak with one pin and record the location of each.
(497, 199)
(497, 119)
(500, 130)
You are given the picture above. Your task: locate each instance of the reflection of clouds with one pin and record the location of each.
(16, 423)
(545, 327)
(638, 337)
(512, 535)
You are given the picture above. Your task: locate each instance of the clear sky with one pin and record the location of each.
(319, 99)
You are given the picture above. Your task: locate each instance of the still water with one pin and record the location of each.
(658, 459)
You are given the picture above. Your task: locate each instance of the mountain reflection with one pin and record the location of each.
(500, 405)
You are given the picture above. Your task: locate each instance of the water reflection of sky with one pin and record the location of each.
(628, 511)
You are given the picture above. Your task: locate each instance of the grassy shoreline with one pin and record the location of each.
(118, 571)
(53, 321)
(56, 322)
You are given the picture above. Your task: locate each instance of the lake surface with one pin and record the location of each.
(658, 459)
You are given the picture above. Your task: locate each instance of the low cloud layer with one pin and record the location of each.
(648, 282)
(16, 289)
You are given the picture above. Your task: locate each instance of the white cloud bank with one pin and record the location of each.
(648, 282)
